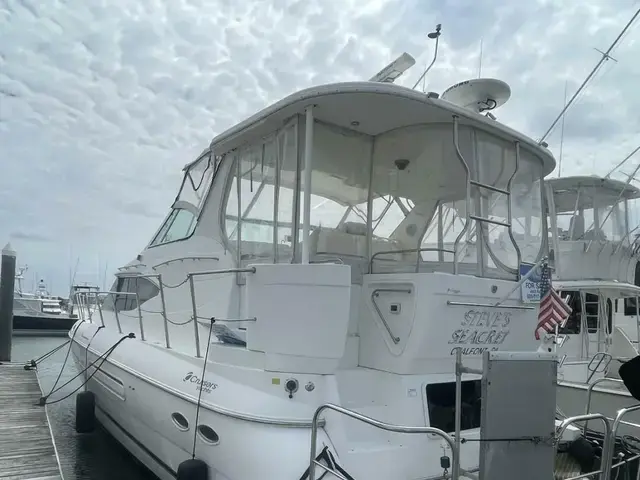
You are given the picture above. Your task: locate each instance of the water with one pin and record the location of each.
(95, 456)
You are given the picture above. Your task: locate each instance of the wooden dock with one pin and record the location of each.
(27, 448)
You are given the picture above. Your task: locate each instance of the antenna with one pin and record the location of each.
(566, 83)
(605, 56)
(480, 59)
(432, 35)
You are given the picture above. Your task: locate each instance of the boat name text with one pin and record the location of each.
(480, 330)
(204, 385)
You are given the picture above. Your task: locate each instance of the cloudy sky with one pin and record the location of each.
(102, 102)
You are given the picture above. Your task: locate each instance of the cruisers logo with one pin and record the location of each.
(203, 385)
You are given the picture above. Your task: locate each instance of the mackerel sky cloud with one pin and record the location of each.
(103, 102)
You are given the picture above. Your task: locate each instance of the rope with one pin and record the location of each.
(34, 363)
(44, 400)
(204, 371)
(66, 358)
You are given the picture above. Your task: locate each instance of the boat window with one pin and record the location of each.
(339, 191)
(182, 219)
(179, 225)
(630, 308)
(287, 151)
(496, 165)
(196, 181)
(145, 288)
(441, 404)
(338, 203)
(589, 212)
(253, 200)
(572, 325)
(591, 308)
(433, 179)
(417, 180)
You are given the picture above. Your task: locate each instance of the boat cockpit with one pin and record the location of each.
(390, 191)
(590, 233)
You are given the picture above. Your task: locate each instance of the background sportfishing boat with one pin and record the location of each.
(332, 248)
(594, 258)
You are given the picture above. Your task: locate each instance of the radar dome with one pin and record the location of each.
(478, 95)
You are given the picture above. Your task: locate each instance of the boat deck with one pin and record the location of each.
(27, 448)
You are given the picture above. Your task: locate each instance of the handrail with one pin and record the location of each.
(115, 309)
(377, 424)
(612, 434)
(158, 277)
(225, 270)
(199, 257)
(456, 145)
(509, 208)
(376, 293)
(489, 305)
(590, 391)
(410, 250)
(606, 446)
(192, 291)
(602, 356)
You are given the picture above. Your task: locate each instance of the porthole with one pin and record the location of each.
(208, 434)
(180, 421)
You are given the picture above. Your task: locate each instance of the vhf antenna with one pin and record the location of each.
(431, 35)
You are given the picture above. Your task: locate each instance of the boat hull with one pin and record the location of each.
(42, 324)
(572, 398)
(137, 412)
(141, 387)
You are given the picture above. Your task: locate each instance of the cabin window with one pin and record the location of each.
(415, 183)
(287, 151)
(591, 306)
(145, 288)
(179, 225)
(441, 404)
(590, 212)
(495, 162)
(339, 191)
(630, 308)
(252, 200)
(182, 219)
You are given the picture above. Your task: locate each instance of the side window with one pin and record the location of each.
(572, 326)
(630, 303)
(180, 224)
(145, 289)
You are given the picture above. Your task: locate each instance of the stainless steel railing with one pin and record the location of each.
(604, 470)
(83, 300)
(418, 251)
(608, 460)
(313, 463)
(192, 290)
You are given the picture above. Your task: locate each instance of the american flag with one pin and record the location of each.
(554, 311)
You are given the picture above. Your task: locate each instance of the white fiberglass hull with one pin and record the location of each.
(572, 398)
(141, 385)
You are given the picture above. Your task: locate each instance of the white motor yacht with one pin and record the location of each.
(325, 250)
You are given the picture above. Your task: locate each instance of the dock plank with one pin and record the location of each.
(27, 449)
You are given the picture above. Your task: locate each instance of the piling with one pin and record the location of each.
(7, 282)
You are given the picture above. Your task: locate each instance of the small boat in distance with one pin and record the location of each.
(39, 313)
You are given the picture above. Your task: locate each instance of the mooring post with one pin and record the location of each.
(7, 282)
